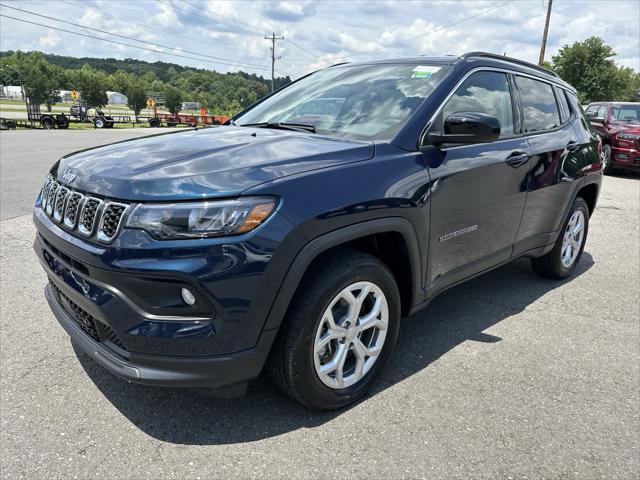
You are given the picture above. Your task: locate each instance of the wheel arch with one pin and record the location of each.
(589, 193)
(375, 237)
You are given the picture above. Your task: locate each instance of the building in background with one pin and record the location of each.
(12, 92)
(190, 105)
(116, 98)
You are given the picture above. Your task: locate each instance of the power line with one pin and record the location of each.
(172, 34)
(303, 49)
(199, 12)
(126, 44)
(437, 29)
(233, 62)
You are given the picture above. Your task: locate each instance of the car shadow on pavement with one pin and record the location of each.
(460, 314)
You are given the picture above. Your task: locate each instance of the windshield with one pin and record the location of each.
(367, 102)
(626, 113)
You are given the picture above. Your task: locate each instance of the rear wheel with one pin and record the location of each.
(99, 122)
(565, 256)
(338, 333)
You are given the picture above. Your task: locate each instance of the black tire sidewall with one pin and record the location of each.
(305, 380)
(607, 154)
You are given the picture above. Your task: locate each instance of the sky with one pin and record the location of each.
(229, 35)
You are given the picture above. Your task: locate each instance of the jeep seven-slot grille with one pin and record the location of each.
(89, 215)
(99, 331)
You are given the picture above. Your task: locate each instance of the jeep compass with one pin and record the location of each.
(293, 238)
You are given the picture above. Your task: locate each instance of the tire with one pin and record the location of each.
(99, 122)
(606, 159)
(47, 122)
(62, 122)
(553, 264)
(154, 122)
(293, 364)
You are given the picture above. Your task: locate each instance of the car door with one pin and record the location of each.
(555, 162)
(597, 115)
(478, 191)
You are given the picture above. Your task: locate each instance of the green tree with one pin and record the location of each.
(172, 99)
(590, 68)
(136, 97)
(630, 81)
(92, 85)
(39, 78)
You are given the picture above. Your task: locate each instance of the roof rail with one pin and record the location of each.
(510, 59)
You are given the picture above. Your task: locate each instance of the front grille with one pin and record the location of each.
(110, 222)
(89, 215)
(58, 206)
(82, 318)
(99, 331)
(73, 208)
(51, 196)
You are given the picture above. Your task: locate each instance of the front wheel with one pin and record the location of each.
(338, 333)
(607, 166)
(565, 256)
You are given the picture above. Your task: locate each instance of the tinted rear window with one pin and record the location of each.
(539, 105)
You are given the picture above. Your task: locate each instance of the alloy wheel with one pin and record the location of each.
(573, 238)
(351, 334)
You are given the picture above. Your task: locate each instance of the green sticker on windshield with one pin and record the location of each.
(423, 71)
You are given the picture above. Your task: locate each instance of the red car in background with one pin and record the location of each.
(618, 123)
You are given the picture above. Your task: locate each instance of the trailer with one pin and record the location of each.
(45, 120)
(191, 120)
(83, 113)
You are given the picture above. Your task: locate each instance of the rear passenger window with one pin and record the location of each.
(539, 105)
(565, 112)
(484, 92)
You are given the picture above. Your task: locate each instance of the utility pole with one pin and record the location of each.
(273, 39)
(546, 31)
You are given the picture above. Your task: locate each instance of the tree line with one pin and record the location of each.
(43, 76)
(589, 66)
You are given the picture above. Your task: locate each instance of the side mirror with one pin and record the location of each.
(467, 127)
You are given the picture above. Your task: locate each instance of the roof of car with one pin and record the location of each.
(481, 58)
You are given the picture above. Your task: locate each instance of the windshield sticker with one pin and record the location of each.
(423, 71)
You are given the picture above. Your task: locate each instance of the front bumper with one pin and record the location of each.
(95, 293)
(204, 372)
(625, 157)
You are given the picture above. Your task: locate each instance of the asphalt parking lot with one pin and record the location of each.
(506, 376)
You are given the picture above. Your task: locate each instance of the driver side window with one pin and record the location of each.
(484, 92)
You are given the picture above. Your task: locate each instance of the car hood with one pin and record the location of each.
(629, 127)
(210, 162)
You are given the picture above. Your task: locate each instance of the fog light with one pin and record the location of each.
(187, 296)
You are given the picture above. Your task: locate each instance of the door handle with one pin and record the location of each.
(517, 158)
(573, 146)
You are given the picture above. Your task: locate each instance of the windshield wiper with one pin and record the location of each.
(300, 127)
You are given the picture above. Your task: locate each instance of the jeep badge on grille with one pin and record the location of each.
(69, 175)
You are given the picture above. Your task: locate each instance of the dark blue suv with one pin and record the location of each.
(294, 238)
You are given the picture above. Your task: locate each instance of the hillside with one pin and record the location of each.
(43, 75)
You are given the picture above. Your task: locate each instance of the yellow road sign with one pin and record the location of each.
(74, 94)
(151, 102)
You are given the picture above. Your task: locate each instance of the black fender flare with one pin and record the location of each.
(335, 238)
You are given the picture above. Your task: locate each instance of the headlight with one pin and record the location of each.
(201, 219)
(628, 136)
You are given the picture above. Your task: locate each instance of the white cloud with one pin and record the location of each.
(332, 31)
